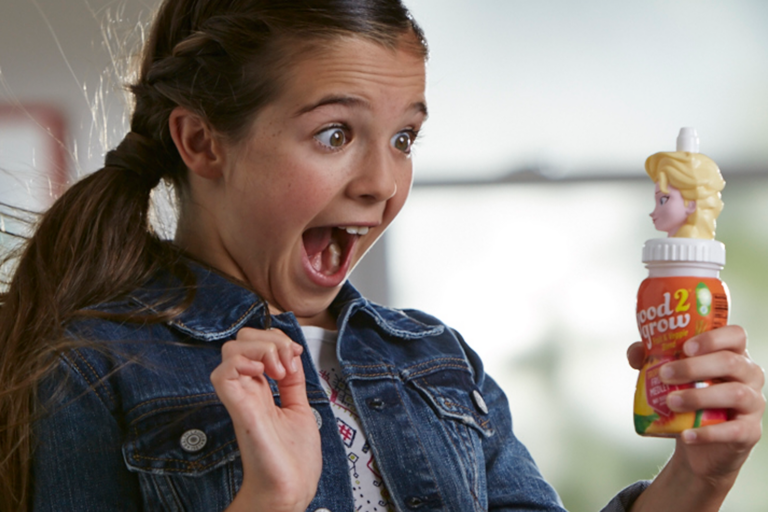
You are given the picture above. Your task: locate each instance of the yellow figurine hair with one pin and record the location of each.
(698, 179)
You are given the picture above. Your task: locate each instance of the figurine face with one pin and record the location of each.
(671, 211)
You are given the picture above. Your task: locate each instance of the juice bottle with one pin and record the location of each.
(683, 294)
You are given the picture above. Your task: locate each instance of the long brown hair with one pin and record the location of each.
(220, 59)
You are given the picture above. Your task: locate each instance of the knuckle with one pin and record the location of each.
(732, 362)
(282, 339)
(228, 348)
(246, 333)
(741, 396)
(760, 371)
(738, 431)
(271, 349)
(758, 399)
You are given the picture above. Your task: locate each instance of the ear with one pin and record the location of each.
(200, 150)
(690, 207)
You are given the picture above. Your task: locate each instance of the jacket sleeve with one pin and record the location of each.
(623, 501)
(78, 463)
(514, 481)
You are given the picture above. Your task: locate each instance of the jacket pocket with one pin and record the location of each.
(461, 423)
(453, 395)
(185, 453)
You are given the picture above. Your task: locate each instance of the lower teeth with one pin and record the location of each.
(335, 261)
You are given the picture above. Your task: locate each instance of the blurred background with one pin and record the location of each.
(530, 205)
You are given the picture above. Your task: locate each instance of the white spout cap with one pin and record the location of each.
(688, 140)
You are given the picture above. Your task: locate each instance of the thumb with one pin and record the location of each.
(636, 355)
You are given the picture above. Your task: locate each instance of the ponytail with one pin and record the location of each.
(95, 244)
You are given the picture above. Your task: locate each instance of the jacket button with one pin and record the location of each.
(376, 403)
(479, 402)
(414, 502)
(319, 420)
(193, 440)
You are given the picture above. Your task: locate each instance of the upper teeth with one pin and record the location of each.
(354, 230)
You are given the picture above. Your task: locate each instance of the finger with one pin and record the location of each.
(272, 364)
(241, 387)
(727, 395)
(235, 367)
(293, 388)
(743, 433)
(730, 337)
(273, 347)
(248, 367)
(636, 355)
(288, 359)
(719, 365)
(265, 352)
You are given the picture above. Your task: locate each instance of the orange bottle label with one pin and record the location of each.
(670, 310)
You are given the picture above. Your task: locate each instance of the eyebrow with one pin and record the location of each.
(352, 101)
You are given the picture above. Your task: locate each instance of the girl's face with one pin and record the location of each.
(671, 212)
(325, 169)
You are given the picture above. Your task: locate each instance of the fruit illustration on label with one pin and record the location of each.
(703, 299)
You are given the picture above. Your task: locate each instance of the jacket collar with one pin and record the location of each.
(221, 307)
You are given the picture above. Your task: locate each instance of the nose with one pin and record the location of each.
(376, 178)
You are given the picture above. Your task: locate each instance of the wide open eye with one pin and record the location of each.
(334, 137)
(403, 141)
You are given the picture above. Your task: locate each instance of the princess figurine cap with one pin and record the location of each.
(688, 186)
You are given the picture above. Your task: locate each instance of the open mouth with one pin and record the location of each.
(328, 252)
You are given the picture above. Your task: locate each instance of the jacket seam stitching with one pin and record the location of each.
(91, 385)
(424, 450)
(438, 367)
(153, 400)
(188, 463)
(170, 408)
(242, 317)
(469, 451)
(447, 401)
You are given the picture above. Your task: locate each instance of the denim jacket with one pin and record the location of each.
(139, 427)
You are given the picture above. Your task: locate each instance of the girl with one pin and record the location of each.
(235, 368)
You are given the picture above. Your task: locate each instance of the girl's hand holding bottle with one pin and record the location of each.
(707, 459)
(279, 446)
(697, 382)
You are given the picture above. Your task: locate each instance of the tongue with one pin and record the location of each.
(316, 240)
(324, 254)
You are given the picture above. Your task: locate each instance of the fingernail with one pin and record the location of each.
(674, 401)
(691, 348)
(294, 367)
(689, 436)
(666, 372)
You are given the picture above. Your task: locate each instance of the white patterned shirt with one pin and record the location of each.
(367, 485)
